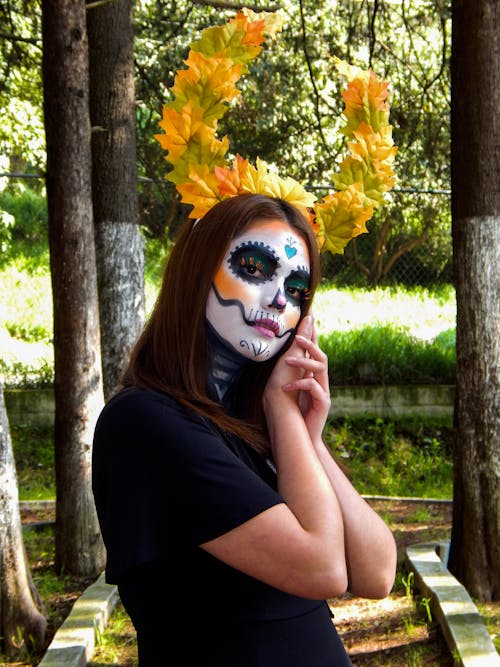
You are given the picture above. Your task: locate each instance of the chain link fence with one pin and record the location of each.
(409, 239)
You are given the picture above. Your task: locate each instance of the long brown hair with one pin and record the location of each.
(171, 356)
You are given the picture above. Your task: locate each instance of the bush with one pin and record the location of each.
(385, 354)
(406, 457)
(28, 234)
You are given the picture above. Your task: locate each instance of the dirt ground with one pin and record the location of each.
(394, 631)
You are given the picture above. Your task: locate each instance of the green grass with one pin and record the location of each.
(383, 457)
(386, 335)
(423, 312)
(34, 454)
(386, 354)
(403, 458)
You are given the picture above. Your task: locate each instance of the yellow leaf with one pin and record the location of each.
(178, 128)
(228, 40)
(340, 217)
(208, 83)
(260, 180)
(365, 98)
(273, 21)
(202, 191)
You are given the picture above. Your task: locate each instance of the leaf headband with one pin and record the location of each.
(201, 173)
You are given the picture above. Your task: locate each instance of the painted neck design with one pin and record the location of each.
(225, 364)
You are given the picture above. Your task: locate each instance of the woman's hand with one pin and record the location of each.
(284, 373)
(312, 384)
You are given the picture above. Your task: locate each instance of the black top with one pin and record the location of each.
(166, 480)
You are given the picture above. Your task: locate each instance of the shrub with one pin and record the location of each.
(385, 354)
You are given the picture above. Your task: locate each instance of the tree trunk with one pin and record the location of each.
(119, 245)
(475, 544)
(22, 625)
(77, 358)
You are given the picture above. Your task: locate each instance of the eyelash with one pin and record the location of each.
(246, 260)
(304, 292)
(256, 264)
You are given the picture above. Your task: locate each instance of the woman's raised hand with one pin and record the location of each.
(312, 386)
(300, 377)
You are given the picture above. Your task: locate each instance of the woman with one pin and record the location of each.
(227, 522)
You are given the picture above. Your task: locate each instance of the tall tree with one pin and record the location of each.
(119, 245)
(77, 359)
(475, 123)
(22, 624)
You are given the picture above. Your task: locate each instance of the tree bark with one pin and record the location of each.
(475, 543)
(77, 358)
(119, 244)
(22, 623)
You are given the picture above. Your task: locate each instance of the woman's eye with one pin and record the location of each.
(298, 290)
(253, 263)
(252, 266)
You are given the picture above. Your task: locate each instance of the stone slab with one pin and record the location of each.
(461, 623)
(36, 406)
(73, 644)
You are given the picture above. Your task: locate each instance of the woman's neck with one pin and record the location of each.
(225, 364)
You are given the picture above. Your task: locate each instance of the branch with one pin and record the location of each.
(373, 37)
(406, 247)
(364, 269)
(97, 3)
(16, 38)
(313, 81)
(378, 251)
(220, 4)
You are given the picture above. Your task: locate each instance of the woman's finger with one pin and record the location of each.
(310, 346)
(312, 387)
(316, 364)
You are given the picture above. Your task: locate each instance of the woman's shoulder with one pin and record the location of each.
(137, 404)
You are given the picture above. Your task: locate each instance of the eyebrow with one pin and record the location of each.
(301, 272)
(255, 245)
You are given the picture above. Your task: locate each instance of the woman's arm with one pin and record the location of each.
(298, 546)
(369, 544)
(370, 550)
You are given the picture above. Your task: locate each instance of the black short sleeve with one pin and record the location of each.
(165, 481)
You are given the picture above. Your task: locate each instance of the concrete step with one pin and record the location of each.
(461, 623)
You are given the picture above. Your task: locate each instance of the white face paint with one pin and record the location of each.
(256, 296)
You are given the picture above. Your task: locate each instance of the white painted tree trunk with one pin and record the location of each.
(475, 69)
(22, 624)
(119, 244)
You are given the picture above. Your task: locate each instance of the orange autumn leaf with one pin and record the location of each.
(202, 94)
(178, 128)
(229, 178)
(254, 33)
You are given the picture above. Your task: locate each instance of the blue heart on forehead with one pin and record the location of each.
(290, 252)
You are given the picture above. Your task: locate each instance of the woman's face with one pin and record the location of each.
(256, 295)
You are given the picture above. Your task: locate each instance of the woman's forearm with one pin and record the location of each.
(304, 484)
(370, 548)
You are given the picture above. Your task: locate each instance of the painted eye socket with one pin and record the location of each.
(297, 288)
(253, 262)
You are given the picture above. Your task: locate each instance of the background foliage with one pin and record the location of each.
(289, 114)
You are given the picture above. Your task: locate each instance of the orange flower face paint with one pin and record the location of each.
(257, 293)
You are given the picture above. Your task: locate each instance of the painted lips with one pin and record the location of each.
(267, 326)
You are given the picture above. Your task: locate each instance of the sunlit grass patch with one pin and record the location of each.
(34, 454)
(422, 312)
(390, 458)
(117, 645)
(26, 329)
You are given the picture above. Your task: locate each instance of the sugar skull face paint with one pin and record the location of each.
(257, 293)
